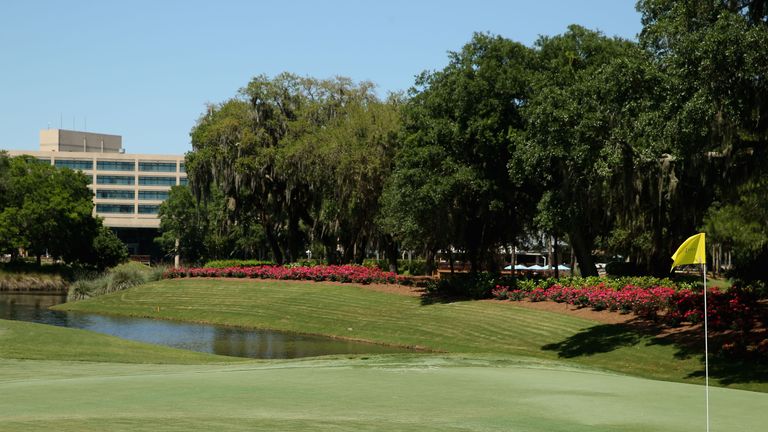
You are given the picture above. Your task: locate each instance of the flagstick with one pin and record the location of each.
(706, 345)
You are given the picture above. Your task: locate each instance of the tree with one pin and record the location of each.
(345, 163)
(714, 121)
(201, 231)
(568, 132)
(181, 227)
(303, 158)
(741, 226)
(108, 249)
(450, 187)
(48, 210)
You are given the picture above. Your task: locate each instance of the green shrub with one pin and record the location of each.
(465, 285)
(118, 278)
(66, 271)
(621, 268)
(304, 263)
(108, 249)
(154, 273)
(526, 284)
(220, 264)
(414, 267)
(85, 288)
(404, 267)
(124, 277)
(374, 263)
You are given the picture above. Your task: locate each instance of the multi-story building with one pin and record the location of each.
(127, 188)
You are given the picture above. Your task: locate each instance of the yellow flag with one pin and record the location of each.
(692, 251)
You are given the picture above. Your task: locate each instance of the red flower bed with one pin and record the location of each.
(335, 273)
(729, 309)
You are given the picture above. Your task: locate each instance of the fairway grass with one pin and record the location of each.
(383, 393)
(355, 312)
(493, 367)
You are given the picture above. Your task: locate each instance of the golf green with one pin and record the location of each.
(383, 393)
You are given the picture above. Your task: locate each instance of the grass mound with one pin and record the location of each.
(459, 327)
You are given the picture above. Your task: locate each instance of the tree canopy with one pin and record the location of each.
(45, 210)
(618, 147)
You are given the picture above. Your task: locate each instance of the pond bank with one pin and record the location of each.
(220, 340)
(31, 283)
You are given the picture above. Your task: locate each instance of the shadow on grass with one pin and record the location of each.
(597, 339)
(430, 299)
(688, 343)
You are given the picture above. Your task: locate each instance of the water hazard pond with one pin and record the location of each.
(222, 340)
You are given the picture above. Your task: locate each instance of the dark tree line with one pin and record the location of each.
(621, 146)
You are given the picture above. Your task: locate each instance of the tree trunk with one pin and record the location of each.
(360, 250)
(277, 253)
(473, 258)
(330, 254)
(294, 236)
(583, 252)
(573, 261)
(430, 262)
(550, 259)
(391, 252)
(348, 254)
(555, 262)
(39, 259)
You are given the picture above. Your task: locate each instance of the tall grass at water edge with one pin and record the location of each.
(31, 282)
(115, 279)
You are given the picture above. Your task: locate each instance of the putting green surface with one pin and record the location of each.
(383, 393)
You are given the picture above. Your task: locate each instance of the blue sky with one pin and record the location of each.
(146, 69)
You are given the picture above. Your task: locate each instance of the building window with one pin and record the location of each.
(114, 194)
(157, 181)
(182, 167)
(74, 164)
(44, 161)
(157, 166)
(115, 166)
(115, 180)
(114, 208)
(148, 209)
(153, 195)
(183, 181)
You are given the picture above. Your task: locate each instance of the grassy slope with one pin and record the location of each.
(22, 340)
(464, 327)
(385, 393)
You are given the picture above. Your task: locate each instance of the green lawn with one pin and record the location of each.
(461, 327)
(505, 368)
(382, 393)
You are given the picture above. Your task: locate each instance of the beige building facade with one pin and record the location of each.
(127, 188)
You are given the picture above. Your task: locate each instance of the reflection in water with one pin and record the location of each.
(220, 340)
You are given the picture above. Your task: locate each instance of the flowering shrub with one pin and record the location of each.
(335, 273)
(732, 309)
(615, 283)
(500, 292)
